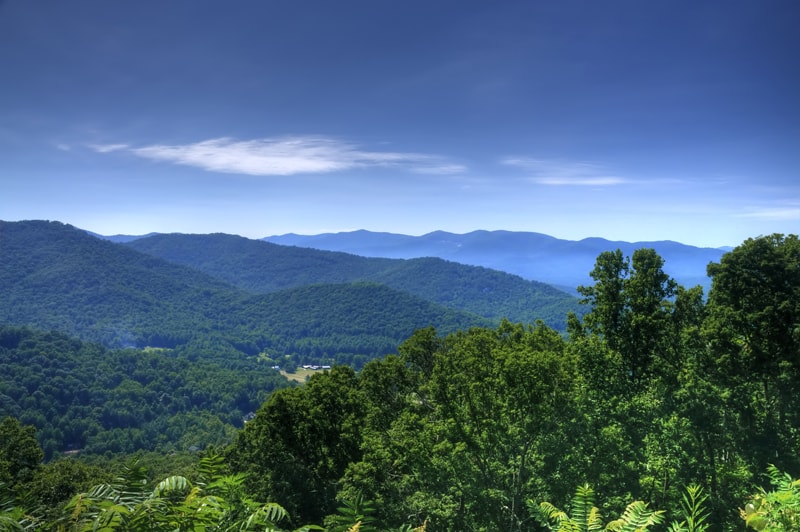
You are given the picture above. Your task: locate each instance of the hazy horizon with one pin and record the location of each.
(392, 233)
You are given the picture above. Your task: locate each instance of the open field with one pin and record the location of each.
(300, 375)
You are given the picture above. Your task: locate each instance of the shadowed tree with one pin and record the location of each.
(754, 330)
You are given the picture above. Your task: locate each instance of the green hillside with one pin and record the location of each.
(54, 276)
(336, 323)
(258, 266)
(262, 267)
(489, 293)
(82, 396)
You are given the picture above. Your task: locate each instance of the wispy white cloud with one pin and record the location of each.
(284, 156)
(598, 181)
(564, 173)
(108, 148)
(773, 213)
(439, 169)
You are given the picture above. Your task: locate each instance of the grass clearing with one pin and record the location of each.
(300, 375)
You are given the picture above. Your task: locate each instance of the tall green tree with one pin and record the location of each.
(55, 483)
(479, 437)
(419, 350)
(647, 403)
(631, 307)
(754, 329)
(301, 441)
(606, 297)
(20, 453)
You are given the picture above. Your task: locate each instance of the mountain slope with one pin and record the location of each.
(54, 276)
(264, 267)
(342, 323)
(564, 263)
(80, 395)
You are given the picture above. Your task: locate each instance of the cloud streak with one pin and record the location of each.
(282, 156)
(108, 148)
(560, 173)
(773, 213)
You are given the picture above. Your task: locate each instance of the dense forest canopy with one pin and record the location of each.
(54, 276)
(657, 388)
(659, 405)
(262, 267)
(84, 397)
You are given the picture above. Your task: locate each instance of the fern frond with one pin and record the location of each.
(132, 479)
(7, 499)
(225, 485)
(694, 508)
(210, 469)
(585, 516)
(776, 475)
(9, 523)
(595, 521)
(171, 486)
(267, 515)
(550, 511)
(637, 517)
(555, 519)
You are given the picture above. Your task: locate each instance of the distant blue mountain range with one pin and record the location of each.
(534, 256)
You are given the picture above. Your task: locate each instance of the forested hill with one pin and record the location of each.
(564, 263)
(81, 396)
(263, 267)
(54, 276)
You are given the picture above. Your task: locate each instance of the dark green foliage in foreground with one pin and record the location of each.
(212, 502)
(777, 509)
(82, 396)
(586, 516)
(56, 482)
(655, 390)
(302, 440)
(127, 498)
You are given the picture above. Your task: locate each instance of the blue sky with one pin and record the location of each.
(629, 120)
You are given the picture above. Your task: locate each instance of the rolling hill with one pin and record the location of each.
(54, 276)
(534, 256)
(262, 267)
